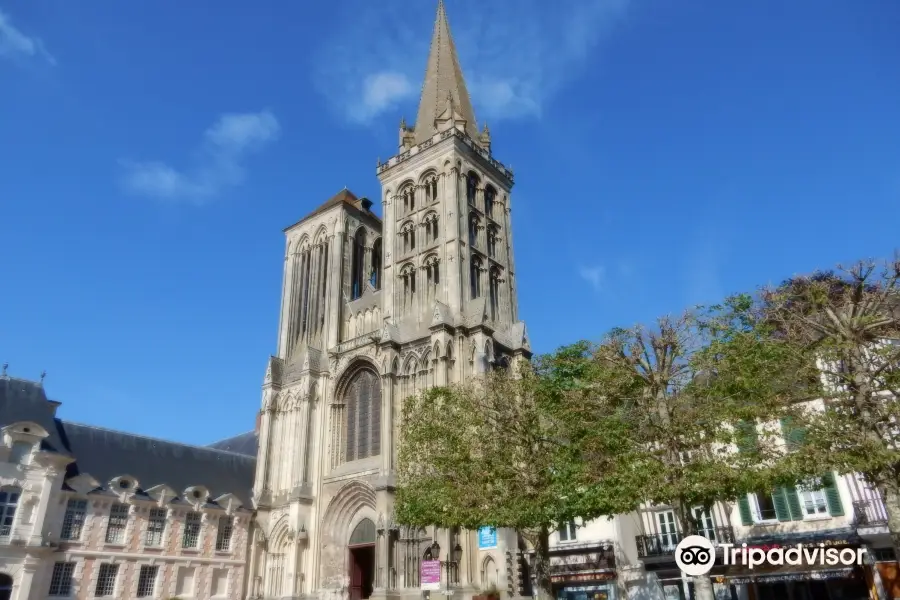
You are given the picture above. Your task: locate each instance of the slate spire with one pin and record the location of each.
(443, 78)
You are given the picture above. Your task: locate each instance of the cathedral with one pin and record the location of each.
(375, 309)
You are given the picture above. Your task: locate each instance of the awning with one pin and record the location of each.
(771, 574)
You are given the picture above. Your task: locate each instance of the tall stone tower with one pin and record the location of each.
(375, 309)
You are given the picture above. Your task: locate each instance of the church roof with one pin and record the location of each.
(443, 78)
(245, 443)
(105, 454)
(345, 197)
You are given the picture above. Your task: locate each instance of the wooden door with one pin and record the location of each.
(356, 577)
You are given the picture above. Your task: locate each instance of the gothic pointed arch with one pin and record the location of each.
(358, 396)
(352, 499)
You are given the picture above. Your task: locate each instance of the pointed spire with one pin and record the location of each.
(443, 79)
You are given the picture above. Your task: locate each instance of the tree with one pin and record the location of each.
(495, 452)
(847, 323)
(686, 391)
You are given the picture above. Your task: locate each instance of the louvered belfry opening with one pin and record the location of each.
(363, 405)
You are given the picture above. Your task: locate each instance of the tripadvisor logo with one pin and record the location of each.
(696, 555)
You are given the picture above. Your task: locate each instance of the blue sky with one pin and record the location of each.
(666, 153)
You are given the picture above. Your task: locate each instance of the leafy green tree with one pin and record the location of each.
(495, 452)
(686, 391)
(847, 323)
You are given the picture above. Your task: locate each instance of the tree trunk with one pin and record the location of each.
(703, 588)
(541, 568)
(892, 507)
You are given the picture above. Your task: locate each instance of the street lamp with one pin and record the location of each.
(455, 557)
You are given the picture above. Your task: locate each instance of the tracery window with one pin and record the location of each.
(475, 269)
(431, 190)
(409, 199)
(490, 194)
(431, 228)
(495, 293)
(362, 398)
(407, 237)
(432, 278)
(474, 226)
(358, 267)
(493, 235)
(408, 289)
(375, 277)
(471, 188)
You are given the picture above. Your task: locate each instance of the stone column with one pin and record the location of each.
(263, 451)
(387, 422)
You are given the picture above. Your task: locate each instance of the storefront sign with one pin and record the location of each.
(487, 538)
(582, 577)
(430, 573)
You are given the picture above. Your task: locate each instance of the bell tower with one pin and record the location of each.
(446, 205)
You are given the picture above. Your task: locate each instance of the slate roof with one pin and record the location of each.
(23, 400)
(105, 454)
(443, 78)
(345, 197)
(245, 443)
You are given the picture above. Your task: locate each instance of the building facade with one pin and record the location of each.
(94, 513)
(373, 310)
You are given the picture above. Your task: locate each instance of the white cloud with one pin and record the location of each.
(514, 56)
(16, 45)
(225, 146)
(593, 275)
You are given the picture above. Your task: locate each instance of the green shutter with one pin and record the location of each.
(793, 435)
(779, 499)
(793, 502)
(745, 436)
(832, 495)
(744, 509)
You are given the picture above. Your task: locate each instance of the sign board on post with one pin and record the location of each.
(430, 574)
(487, 538)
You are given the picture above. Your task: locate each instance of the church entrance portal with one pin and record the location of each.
(362, 560)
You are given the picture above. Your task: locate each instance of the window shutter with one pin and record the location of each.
(779, 499)
(793, 434)
(744, 509)
(745, 436)
(833, 496)
(793, 502)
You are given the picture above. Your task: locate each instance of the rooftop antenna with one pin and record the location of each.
(5, 367)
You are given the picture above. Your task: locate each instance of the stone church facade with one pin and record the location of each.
(375, 309)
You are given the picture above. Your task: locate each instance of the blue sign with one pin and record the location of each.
(487, 538)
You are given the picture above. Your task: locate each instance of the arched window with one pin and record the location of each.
(375, 278)
(431, 228)
(363, 534)
(474, 225)
(409, 199)
(362, 398)
(448, 364)
(495, 293)
(471, 188)
(489, 195)
(489, 577)
(430, 190)
(407, 237)
(358, 267)
(408, 288)
(493, 235)
(475, 268)
(9, 502)
(432, 278)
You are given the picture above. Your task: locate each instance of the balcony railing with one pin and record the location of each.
(663, 544)
(869, 513)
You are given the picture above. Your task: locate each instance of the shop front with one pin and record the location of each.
(815, 579)
(585, 572)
